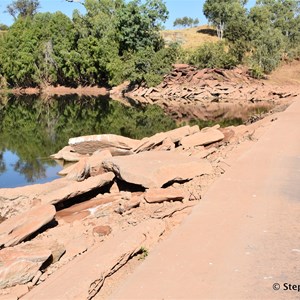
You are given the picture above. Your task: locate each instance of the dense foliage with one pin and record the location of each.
(117, 40)
(113, 41)
(261, 36)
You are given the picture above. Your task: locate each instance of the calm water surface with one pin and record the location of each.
(32, 128)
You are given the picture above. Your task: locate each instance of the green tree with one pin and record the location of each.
(280, 14)
(186, 22)
(34, 50)
(23, 8)
(138, 25)
(213, 55)
(220, 12)
(3, 27)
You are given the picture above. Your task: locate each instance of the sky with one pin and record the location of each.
(177, 9)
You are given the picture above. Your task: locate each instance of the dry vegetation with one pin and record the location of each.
(191, 38)
(287, 74)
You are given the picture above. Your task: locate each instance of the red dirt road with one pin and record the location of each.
(243, 237)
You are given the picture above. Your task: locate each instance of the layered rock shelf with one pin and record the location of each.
(188, 93)
(117, 197)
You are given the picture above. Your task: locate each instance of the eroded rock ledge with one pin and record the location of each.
(118, 197)
(188, 93)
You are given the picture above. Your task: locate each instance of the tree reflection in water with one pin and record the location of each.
(33, 128)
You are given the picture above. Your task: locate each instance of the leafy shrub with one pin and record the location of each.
(256, 72)
(146, 65)
(212, 55)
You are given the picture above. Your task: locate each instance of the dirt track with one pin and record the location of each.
(243, 237)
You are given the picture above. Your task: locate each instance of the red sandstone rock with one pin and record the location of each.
(18, 228)
(102, 261)
(102, 230)
(67, 154)
(154, 169)
(95, 161)
(174, 135)
(202, 138)
(18, 265)
(117, 145)
(77, 188)
(88, 208)
(161, 195)
(79, 171)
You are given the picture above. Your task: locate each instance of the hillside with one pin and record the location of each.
(191, 38)
(287, 74)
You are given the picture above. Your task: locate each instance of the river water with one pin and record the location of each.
(32, 128)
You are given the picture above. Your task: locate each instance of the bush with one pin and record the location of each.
(212, 55)
(146, 65)
(256, 72)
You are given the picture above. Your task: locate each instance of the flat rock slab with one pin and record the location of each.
(202, 138)
(18, 228)
(31, 191)
(116, 144)
(161, 195)
(82, 210)
(77, 188)
(84, 276)
(18, 265)
(154, 169)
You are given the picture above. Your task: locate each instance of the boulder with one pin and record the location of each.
(95, 161)
(117, 145)
(87, 166)
(161, 195)
(79, 171)
(154, 169)
(77, 188)
(18, 228)
(18, 265)
(202, 138)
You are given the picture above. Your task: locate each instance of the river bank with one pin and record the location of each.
(189, 94)
(58, 91)
(109, 208)
(119, 198)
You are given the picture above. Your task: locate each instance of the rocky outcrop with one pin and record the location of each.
(117, 145)
(102, 261)
(186, 82)
(18, 265)
(18, 228)
(86, 166)
(188, 93)
(138, 196)
(77, 188)
(165, 139)
(154, 169)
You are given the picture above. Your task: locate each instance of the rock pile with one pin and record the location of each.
(186, 82)
(187, 91)
(120, 195)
